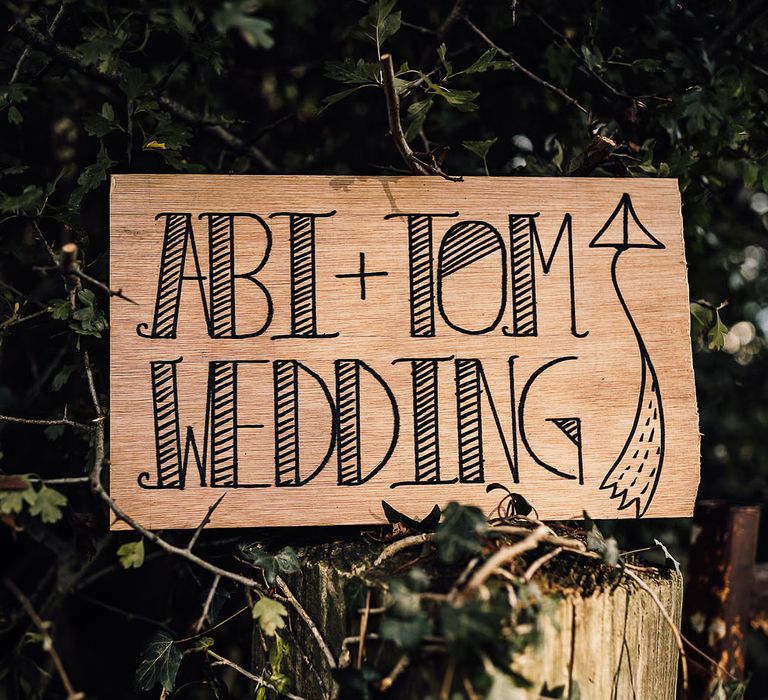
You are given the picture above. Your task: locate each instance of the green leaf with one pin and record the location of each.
(204, 643)
(482, 64)
(417, 113)
(29, 200)
(135, 83)
(406, 634)
(59, 309)
(353, 73)
(441, 55)
(160, 662)
(14, 115)
(270, 614)
(287, 561)
(382, 22)
(717, 333)
(13, 500)
(102, 123)
(480, 148)
(131, 554)
(92, 176)
(48, 503)
(459, 533)
(235, 14)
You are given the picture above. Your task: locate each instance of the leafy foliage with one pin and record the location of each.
(283, 562)
(160, 662)
(131, 554)
(235, 86)
(270, 615)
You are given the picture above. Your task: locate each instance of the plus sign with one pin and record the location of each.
(362, 275)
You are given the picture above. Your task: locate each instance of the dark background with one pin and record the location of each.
(681, 87)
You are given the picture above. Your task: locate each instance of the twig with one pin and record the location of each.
(221, 660)
(105, 288)
(524, 70)
(598, 151)
(363, 629)
(23, 319)
(206, 519)
(42, 628)
(536, 565)
(398, 546)
(388, 681)
(63, 481)
(504, 556)
(52, 421)
(198, 626)
(286, 591)
(69, 267)
(670, 622)
(580, 57)
(19, 293)
(25, 53)
(416, 166)
(223, 622)
(73, 60)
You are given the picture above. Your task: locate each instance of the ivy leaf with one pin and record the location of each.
(48, 503)
(131, 554)
(406, 634)
(395, 517)
(270, 614)
(160, 662)
(459, 533)
(287, 561)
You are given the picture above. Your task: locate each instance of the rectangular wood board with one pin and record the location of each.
(311, 346)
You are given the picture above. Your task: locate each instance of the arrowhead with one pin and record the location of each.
(624, 230)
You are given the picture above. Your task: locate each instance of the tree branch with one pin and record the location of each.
(72, 59)
(530, 74)
(416, 165)
(48, 422)
(47, 644)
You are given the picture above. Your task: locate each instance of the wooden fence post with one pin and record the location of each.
(718, 594)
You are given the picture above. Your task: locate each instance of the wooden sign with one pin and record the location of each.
(311, 346)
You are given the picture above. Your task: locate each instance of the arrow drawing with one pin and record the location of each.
(635, 474)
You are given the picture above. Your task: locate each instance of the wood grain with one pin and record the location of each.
(585, 374)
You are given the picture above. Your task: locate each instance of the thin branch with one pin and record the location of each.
(670, 622)
(416, 165)
(206, 519)
(52, 421)
(25, 53)
(63, 481)
(399, 545)
(105, 288)
(388, 681)
(19, 293)
(580, 57)
(42, 628)
(286, 591)
(503, 556)
(23, 319)
(72, 59)
(530, 74)
(221, 660)
(536, 565)
(200, 622)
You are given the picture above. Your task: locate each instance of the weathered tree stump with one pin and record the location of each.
(602, 634)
